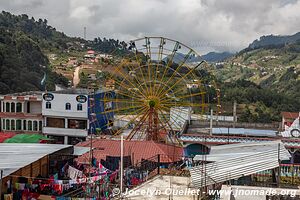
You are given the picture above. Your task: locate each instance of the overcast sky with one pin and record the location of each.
(205, 25)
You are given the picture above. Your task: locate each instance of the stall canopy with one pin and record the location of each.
(27, 138)
(16, 156)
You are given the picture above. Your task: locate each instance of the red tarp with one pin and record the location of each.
(6, 135)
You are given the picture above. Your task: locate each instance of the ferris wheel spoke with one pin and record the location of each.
(142, 74)
(175, 108)
(148, 61)
(128, 101)
(174, 121)
(128, 95)
(178, 81)
(152, 82)
(140, 85)
(165, 119)
(167, 132)
(163, 100)
(127, 124)
(168, 68)
(175, 48)
(186, 104)
(138, 126)
(126, 87)
(187, 56)
(133, 85)
(170, 124)
(120, 109)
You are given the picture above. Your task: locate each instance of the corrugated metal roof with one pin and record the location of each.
(244, 131)
(15, 156)
(238, 161)
(78, 151)
(139, 149)
(224, 152)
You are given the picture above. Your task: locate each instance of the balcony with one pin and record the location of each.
(65, 132)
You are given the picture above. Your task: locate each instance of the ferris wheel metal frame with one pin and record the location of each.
(151, 81)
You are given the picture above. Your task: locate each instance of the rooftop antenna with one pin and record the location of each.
(84, 33)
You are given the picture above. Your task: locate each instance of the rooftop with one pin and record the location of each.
(290, 115)
(236, 131)
(72, 91)
(223, 152)
(237, 160)
(137, 149)
(78, 91)
(15, 156)
(25, 94)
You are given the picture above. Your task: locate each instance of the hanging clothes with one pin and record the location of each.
(74, 173)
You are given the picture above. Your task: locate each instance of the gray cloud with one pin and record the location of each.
(205, 24)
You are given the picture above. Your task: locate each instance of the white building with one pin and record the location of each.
(66, 115)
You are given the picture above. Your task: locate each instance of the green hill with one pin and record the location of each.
(22, 59)
(266, 78)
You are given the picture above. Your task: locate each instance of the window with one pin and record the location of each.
(3, 124)
(24, 125)
(68, 106)
(55, 122)
(12, 124)
(79, 106)
(19, 107)
(48, 105)
(77, 124)
(12, 107)
(7, 107)
(28, 107)
(7, 124)
(29, 125)
(40, 125)
(35, 124)
(19, 124)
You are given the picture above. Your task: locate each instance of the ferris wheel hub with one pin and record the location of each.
(152, 103)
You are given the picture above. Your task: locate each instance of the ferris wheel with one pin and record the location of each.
(156, 88)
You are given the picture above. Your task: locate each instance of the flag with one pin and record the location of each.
(44, 79)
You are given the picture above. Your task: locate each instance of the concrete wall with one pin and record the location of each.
(58, 105)
(272, 126)
(65, 132)
(35, 107)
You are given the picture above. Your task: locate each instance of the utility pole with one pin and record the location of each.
(92, 110)
(84, 33)
(279, 168)
(211, 121)
(121, 168)
(228, 136)
(1, 176)
(234, 114)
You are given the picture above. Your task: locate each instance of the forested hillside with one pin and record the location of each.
(22, 62)
(265, 78)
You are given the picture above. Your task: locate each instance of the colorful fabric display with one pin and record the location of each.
(74, 173)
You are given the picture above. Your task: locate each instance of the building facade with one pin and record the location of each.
(65, 115)
(21, 113)
(70, 115)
